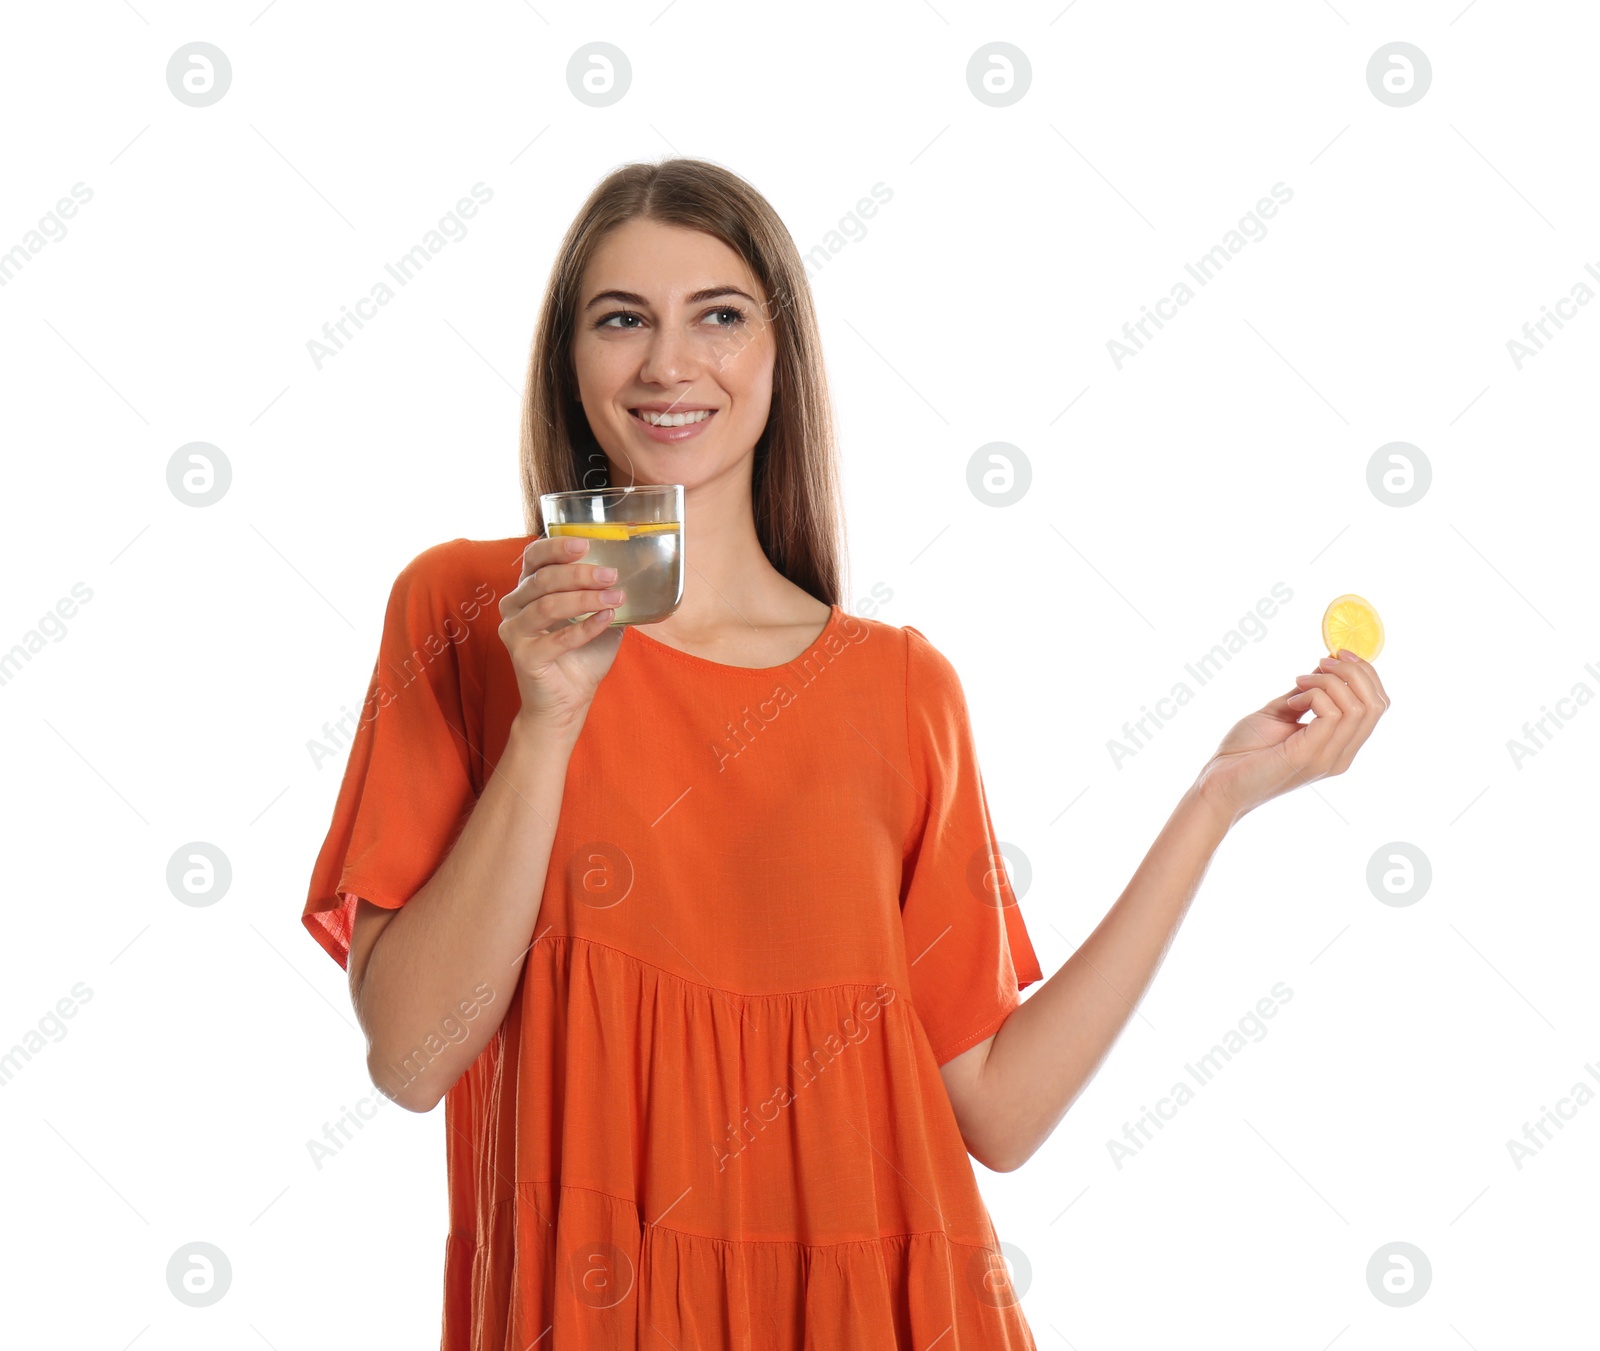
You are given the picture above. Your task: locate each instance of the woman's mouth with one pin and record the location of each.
(672, 426)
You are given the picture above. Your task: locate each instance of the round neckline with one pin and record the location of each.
(835, 615)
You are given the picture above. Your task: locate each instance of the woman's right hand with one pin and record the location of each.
(559, 665)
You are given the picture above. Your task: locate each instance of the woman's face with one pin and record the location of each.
(671, 321)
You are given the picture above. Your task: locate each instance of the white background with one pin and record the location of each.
(1230, 454)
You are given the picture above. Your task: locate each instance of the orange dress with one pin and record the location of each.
(712, 1115)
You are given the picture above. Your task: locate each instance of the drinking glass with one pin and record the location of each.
(638, 531)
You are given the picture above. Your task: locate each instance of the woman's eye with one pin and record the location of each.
(729, 315)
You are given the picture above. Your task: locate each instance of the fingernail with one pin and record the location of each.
(575, 546)
(1347, 655)
(606, 574)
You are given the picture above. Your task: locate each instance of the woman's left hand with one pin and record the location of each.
(1271, 751)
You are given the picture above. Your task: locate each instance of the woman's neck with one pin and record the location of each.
(729, 584)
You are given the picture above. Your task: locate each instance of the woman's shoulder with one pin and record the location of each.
(485, 569)
(901, 650)
(457, 582)
(930, 674)
(452, 562)
(907, 641)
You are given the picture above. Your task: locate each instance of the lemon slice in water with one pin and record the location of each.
(610, 529)
(591, 529)
(1351, 622)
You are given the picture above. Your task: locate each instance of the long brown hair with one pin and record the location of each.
(799, 516)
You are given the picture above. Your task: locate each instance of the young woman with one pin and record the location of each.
(700, 930)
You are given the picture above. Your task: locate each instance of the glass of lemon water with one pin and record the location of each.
(638, 531)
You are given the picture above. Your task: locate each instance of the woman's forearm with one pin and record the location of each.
(441, 974)
(1048, 1050)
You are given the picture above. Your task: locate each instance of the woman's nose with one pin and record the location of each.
(668, 359)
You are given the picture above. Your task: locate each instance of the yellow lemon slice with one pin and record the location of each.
(611, 529)
(1351, 622)
(592, 529)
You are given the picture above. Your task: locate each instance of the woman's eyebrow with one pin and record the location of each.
(629, 298)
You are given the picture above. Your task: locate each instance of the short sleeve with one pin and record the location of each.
(969, 950)
(408, 781)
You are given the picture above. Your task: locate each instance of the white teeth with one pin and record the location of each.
(674, 419)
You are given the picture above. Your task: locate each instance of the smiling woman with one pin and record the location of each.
(748, 971)
(812, 944)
